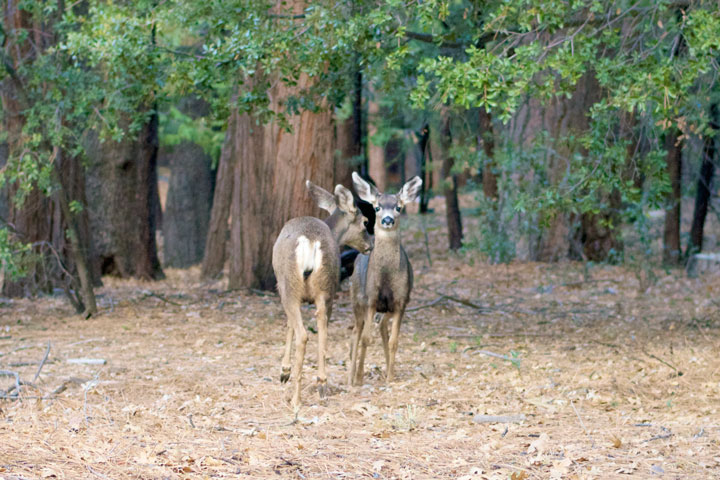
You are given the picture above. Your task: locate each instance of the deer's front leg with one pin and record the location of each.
(394, 334)
(365, 340)
(355, 343)
(324, 308)
(384, 336)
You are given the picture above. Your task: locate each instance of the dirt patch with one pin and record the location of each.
(510, 371)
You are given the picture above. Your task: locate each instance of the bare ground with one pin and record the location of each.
(602, 378)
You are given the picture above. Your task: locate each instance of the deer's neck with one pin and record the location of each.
(387, 244)
(333, 223)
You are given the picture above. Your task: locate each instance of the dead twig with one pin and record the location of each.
(10, 373)
(582, 424)
(426, 305)
(678, 372)
(42, 362)
(666, 434)
(499, 418)
(493, 354)
(149, 293)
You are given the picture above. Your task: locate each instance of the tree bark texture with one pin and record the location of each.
(425, 172)
(39, 220)
(561, 118)
(189, 196)
(671, 231)
(218, 234)
(188, 205)
(704, 186)
(376, 153)
(486, 139)
(450, 186)
(271, 167)
(124, 203)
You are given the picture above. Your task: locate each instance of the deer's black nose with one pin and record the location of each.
(388, 220)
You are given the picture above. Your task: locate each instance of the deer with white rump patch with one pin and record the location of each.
(306, 261)
(382, 280)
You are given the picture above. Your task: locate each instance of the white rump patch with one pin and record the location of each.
(308, 255)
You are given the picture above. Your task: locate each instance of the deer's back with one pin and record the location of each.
(306, 260)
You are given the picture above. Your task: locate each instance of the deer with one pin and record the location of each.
(306, 262)
(382, 280)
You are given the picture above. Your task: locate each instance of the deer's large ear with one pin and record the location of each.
(364, 190)
(322, 197)
(344, 199)
(410, 190)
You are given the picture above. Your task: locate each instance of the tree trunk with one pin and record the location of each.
(271, 168)
(189, 197)
(450, 186)
(671, 232)
(376, 153)
(218, 231)
(188, 205)
(487, 141)
(123, 203)
(41, 221)
(562, 118)
(704, 186)
(423, 147)
(349, 134)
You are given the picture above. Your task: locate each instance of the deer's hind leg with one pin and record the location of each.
(285, 364)
(292, 309)
(323, 311)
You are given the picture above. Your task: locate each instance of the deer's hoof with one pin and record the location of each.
(322, 388)
(285, 375)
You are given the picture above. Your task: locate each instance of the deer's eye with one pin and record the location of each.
(377, 209)
(398, 208)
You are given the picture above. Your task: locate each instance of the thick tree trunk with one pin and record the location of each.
(271, 168)
(450, 186)
(349, 134)
(189, 197)
(704, 186)
(562, 118)
(671, 232)
(188, 205)
(219, 230)
(123, 203)
(376, 153)
(57, 235)
(487, 141)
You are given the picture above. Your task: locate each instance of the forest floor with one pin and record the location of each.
(517, 371)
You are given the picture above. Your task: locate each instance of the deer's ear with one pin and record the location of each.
(322, 197)
(364, 190)
(410, 190)
(344, 199)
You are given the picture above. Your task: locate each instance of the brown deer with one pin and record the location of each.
(306, 261)
(382, 280)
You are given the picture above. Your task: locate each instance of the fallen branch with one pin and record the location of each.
(493, 354)
(678, 372)
(87, 361)
(149, 293)
(42, 362)
(426, 305)
(10, 373)
(662, 436)
(499, 418)
(582, 424)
